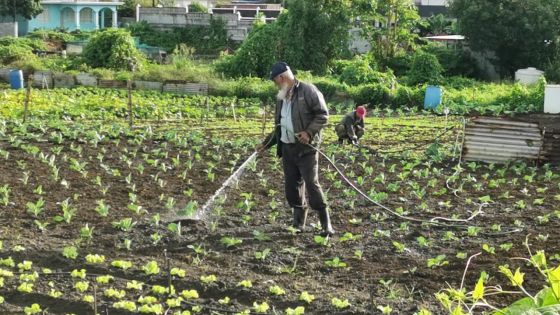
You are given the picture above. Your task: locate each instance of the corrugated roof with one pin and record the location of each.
(499, 140)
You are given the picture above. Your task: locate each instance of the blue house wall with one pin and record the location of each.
(63, 15)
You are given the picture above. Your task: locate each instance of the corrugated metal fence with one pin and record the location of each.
(499, 140)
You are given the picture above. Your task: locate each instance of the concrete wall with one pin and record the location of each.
(22, 25)
(357, 43)
(8, 29)
(48, 79)
(169, 18)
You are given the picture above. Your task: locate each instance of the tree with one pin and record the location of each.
(25, 8)
(518, 33)
(437, 25)
(256, 55)
(128, 8)
(308, 36)
(425, 68)
(390, 24)
(315, 32)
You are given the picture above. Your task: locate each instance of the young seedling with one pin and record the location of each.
(335, 263)
(230, 241)
(36, 208)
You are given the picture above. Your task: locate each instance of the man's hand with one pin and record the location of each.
(354, 140)
(303, 137)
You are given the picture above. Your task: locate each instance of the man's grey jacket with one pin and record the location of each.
(309, 114)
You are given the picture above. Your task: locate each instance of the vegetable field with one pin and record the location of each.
(85, 199)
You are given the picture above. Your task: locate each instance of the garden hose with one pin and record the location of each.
(433, 221)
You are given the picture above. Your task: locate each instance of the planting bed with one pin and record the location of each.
(84, 209)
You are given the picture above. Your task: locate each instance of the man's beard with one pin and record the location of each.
(283, 93)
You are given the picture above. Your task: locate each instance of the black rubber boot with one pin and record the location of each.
(326, 227)
(300, 216)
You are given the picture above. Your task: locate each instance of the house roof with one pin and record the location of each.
(82, 2)
(446, 37)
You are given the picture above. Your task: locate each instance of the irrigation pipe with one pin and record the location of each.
(432, 221)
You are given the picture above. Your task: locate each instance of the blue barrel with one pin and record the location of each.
(16, 79)
(433, 97)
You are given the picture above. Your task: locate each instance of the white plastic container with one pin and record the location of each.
(552, 99)
(528, 76)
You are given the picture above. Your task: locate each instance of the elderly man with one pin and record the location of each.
(301, 113)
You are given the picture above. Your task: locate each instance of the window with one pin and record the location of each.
(86, 15)
(67, 17)
(43, 17)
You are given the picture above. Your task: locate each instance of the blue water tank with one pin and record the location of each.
(16, 79)
(433, 97)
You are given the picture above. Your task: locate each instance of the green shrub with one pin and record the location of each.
(24, 42)
(330, 87)
(51, 35)
(425, 68)
(407, 96)
(364, 71)
(552, 71)
(455, 62)
(253, 88)
(374, 94)
(460, 82)
(113, 49)
(356, 70)
(197, 7)
(400, 64)
(206, 40)
(13, 53)
(19, 50)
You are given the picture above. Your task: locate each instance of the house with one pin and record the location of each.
(450, 41)
(427, 8)
(86, 15)
(250, 11)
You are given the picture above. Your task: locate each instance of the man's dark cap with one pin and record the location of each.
(277, 69)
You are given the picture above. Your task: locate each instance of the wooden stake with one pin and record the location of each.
(95, 299)
(205, 113)
(233, 110)
(27, 98)
(129, 88)
(264, 118)
(207, 110)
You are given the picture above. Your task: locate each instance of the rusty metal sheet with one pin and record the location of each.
(498, 140)
(112, 84)
(551, 146)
